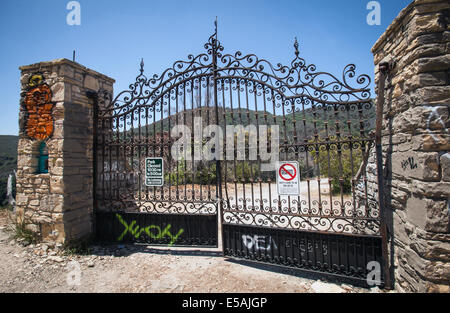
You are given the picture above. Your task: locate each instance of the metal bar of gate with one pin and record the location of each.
(379, 154)
(218, 163)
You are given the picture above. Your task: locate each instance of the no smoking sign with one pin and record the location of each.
(288, 181)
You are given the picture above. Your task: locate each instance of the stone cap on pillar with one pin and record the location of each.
(47, 64)
(415, 8)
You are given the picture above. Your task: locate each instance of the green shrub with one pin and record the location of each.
(79, 247)
(21, 232)
(339, 166)
(244, 172)
(307, 171)
(206, 174)
(179, 175)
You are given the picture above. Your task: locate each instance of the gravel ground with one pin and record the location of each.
(135, 269)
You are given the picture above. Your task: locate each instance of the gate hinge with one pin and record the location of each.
(92, 94)
(386, 67)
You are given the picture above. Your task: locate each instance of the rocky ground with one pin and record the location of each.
(33, 268)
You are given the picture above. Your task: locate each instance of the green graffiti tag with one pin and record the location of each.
(136, 231)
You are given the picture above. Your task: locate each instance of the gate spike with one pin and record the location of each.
(142, 66)
(296, 47)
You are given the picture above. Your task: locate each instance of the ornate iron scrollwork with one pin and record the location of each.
(298, 90)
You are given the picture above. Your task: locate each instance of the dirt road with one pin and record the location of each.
(42, 268)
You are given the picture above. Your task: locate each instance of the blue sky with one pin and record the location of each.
(115, 34)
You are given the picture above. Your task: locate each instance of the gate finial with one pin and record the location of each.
(142, 66)
(296, 47)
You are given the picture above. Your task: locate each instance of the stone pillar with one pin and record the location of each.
(54, 109)
(416, 143)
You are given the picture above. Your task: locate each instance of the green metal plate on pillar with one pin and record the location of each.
(154, 172)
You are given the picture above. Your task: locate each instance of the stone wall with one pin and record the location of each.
(58, 205)
(416, 144)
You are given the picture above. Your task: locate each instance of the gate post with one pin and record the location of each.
(385, 233)
(55, 152)
(219, 195)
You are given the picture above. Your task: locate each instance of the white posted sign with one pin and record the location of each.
(288, 179)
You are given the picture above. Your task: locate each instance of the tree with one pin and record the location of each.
(338, 161)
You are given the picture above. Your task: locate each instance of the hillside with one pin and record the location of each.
(8, 162)
(306, 122)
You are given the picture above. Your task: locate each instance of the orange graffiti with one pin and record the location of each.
(39, 108)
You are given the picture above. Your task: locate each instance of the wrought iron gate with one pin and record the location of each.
(325, 124)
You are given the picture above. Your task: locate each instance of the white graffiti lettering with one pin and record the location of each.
(259, 243)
